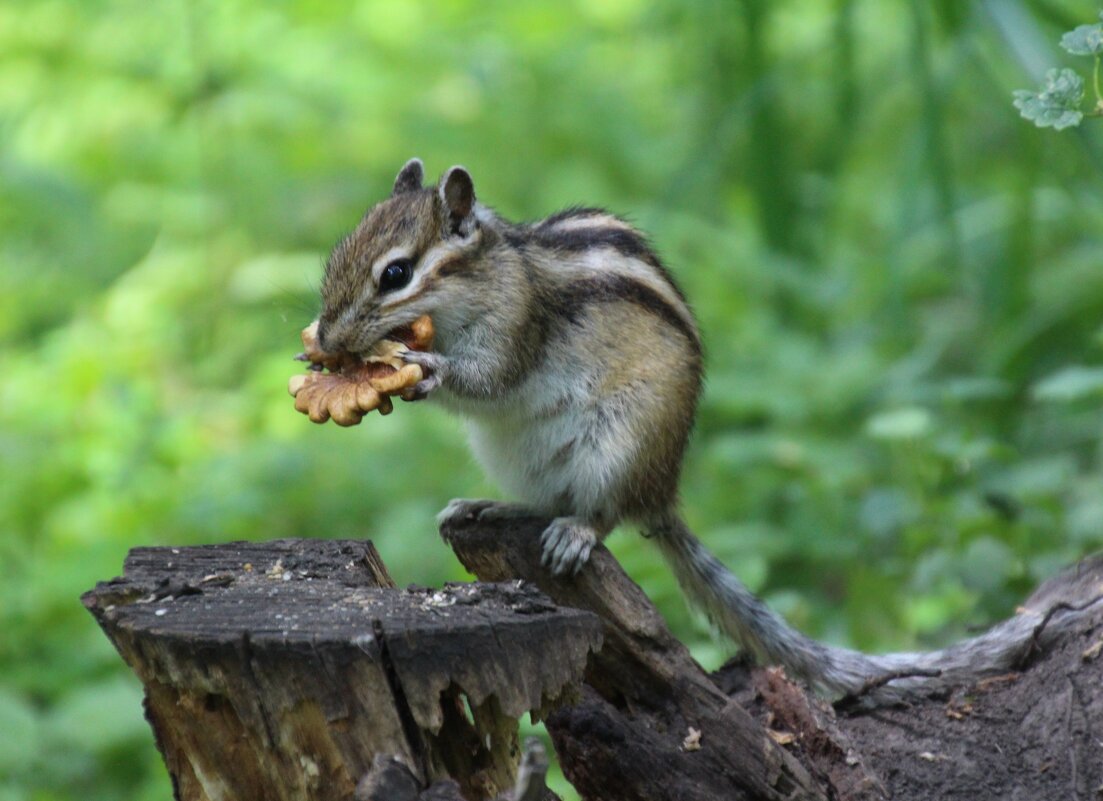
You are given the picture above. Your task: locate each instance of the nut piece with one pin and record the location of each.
(355, 386)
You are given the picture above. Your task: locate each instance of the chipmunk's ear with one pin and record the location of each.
(409, 177)
(457, 193)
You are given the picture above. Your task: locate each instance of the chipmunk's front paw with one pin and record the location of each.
(429, 361)
(421, 390)
(435, 367)
(566, 545)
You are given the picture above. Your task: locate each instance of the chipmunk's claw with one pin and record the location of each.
(566, 545)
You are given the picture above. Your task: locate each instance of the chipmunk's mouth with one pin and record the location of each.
(389, 343)
(415, 335)
(389, 349)
(404, 334)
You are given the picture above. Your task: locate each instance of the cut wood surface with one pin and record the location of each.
(280, 670)
(652, 725)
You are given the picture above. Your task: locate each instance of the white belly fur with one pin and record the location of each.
(548, 448)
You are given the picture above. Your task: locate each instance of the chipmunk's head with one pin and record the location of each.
(412, 254)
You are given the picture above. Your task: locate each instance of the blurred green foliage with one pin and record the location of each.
(900, 286)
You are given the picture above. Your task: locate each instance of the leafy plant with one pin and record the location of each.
(1060, 103)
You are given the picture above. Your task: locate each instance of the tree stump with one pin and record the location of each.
(286, 670)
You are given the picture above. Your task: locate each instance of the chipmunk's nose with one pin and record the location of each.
(337, 333)
(336, 336)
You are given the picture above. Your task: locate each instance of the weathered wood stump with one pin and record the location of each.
(295, 670)
(652, 725)
(285, 670)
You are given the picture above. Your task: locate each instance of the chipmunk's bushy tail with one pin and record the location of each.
(831, 670)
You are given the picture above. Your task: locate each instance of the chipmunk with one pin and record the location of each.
(576, 363)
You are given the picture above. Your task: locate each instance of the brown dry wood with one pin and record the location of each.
(1033, 734)
(625, 740)
(280, 670)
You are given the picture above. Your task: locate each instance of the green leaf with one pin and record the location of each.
(1086, 40)
(910, 422)
(1070, 384)
(1057, 105)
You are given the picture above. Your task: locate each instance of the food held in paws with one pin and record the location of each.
(355, 385)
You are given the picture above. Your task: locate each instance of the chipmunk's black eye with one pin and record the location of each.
(396, 275)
